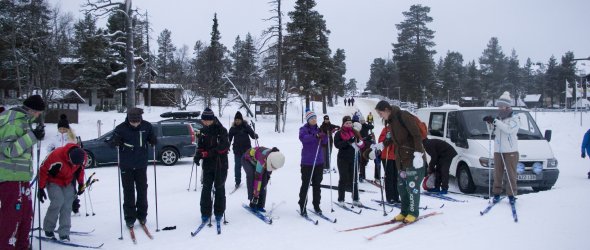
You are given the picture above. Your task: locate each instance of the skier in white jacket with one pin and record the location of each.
(64, 136)
(505, 128)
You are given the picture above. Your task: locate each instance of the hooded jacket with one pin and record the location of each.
(134, 149)
(213, 140)
(406, 138)
(16, 145)
(506, 134)
(66, 173)
(241, 135)
(310, 141)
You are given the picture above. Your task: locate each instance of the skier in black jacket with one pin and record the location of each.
(132, 137)
(241, 133)
(328, 128)
(441, 155)
(368, 138)
(213, 148)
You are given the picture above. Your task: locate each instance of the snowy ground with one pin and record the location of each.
(547, 220)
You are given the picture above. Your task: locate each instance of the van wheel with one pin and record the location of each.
(464, 180)
(169, 156)
(538, 189)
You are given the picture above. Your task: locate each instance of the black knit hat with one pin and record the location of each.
(238, 116)
(35, 102)
(346, 119)
(134, 114)
(208, 115)
(326, 117)
(63, 122)
(76, 155)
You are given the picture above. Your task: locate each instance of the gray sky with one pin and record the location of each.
(365, 29)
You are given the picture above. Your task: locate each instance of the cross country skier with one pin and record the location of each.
(213, 148)
(240, 132)
(328, 128)
(348, 142)
(312, 161)
(57, 172)
(259, 163)
(386, 147)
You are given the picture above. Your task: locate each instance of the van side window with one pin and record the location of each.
(436, 125)
(453, 124)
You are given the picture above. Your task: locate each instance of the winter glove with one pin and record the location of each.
(489, 119)
(41, 195)
(351, 140)
(320, 135)
(197, 159)
(152, 140)
(256, 136)
(81, 189)
(418, 161)
(39, 132)
(583, 155)
(117, 142)
(204, 154)
(54, 169)
(378, 146)
(356, 147)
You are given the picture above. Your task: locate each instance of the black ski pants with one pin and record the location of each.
(316, 181)
(213, 177)
(441, 171)
(391, 193)
(347, 177)
(134, 180)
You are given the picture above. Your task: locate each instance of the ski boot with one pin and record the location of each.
(409, 219)
(399, 217)
(511, 199)
(496, 199)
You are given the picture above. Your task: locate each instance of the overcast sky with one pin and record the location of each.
(536, 29)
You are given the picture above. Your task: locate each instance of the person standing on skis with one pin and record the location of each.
(505, 128)
(57, 172)
(410, 158)
(17, 138)
(312, 161)
(259, 163)
(328, 128)
(240, 132)
(348, 142)
(213, 149)
(132, 138)
(388, 160)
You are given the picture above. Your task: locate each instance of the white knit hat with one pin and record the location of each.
(275, 160)
(357, 126)
(504, 100)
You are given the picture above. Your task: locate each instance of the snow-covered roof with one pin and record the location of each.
(154, 86)
(261, 99)
(532, 98)
(61, 95)
(582, 103)
(69, 60)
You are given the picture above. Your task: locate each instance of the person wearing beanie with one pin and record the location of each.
(16, 170)
(56, 174)
(328, 128)
(505, 128)
(133, 137)
(348, 142)
(240, 132)
(312, 161)
(388, 160)
(410, 157)
(213, 149)
(259, 163)
(368, 138)
(65, 134)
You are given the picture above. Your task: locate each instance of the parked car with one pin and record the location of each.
(464, 129)
(175, 139)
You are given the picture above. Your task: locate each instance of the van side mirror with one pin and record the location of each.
(548, 134)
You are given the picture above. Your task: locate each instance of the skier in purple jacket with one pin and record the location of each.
(312, 161)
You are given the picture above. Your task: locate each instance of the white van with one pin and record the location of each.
(465, 130)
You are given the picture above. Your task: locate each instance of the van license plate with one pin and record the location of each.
(527, 177)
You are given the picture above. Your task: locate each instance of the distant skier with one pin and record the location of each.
(312, 138)
(328, 128)
(259, 163)
(370, 118)
(132, 137)
(213, 148)
(586, 146)
(505, 128)
(240, 133)
(409, 153)
(349, 143)
(441, 155)
(351, 101)
(345, 102)
(58, 172)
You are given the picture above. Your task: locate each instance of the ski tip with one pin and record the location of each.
(335, 220)
(270, 222)
(480, 213)
(316, 222)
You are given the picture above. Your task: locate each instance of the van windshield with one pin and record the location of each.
(476, 127)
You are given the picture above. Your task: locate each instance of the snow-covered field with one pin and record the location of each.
(552, 219)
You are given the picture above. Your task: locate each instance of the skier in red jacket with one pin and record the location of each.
(57, 173)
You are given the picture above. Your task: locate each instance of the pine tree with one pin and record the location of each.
(553, 83)
(91, 47)
(165, 55)
(452, 76)
(473, 81)
(493, 70)
(567, 71)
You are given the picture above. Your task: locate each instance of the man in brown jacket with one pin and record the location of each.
(409, 153)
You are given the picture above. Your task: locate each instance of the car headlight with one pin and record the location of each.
(538, 168)
(552, 163)
(486, 162)
(520, 168)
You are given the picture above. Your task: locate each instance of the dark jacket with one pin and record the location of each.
(133, 141)
(241, 135)
(328, 129)
(365, 132)
(438, 150)
(213, 140)
(345, 149)
(406, 138)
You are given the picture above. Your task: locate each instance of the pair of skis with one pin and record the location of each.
(202, 225)
(68, 243)
(442, 197)
(145, 230)
(352, 210)
(492, 204)
(390, 222)
(395, 205)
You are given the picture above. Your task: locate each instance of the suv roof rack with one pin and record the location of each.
(181, 114)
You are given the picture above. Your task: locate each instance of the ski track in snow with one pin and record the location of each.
(547, 220)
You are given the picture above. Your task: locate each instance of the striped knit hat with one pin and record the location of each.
(504, 100)
(208, 115)
(309, 115)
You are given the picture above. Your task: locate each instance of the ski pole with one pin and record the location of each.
(85, 205)
(120, 206)
(191, 177)
(354, 176)
(489, 163)
(38, 200)
(311, 175)
(91, 206)
(329, 160)
(383, 182)
(156, 189)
